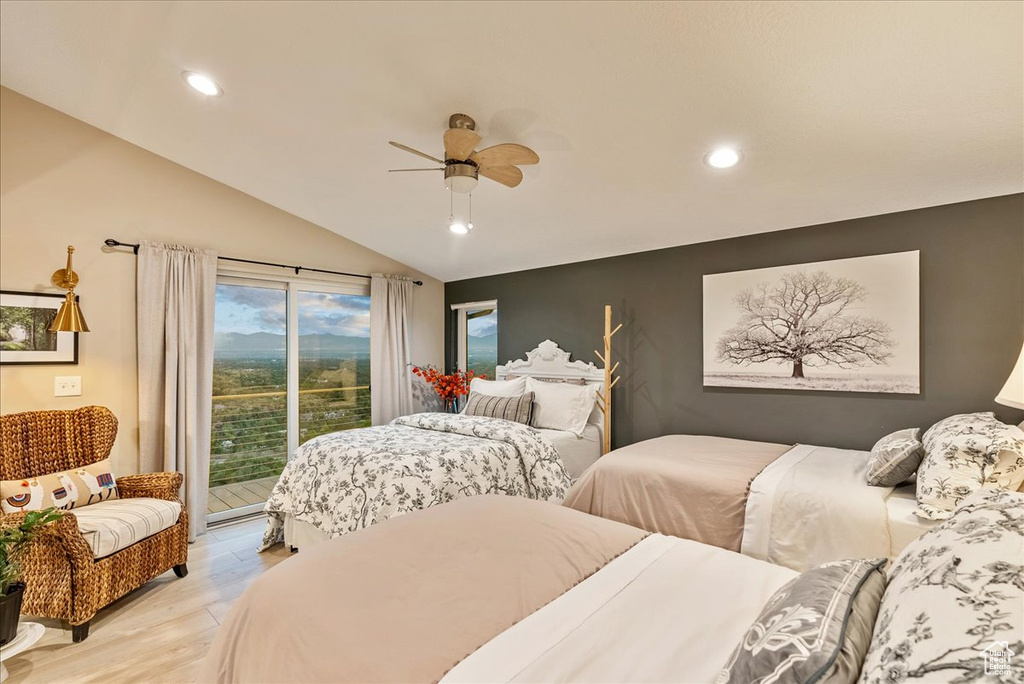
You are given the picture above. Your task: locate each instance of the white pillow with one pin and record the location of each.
(495, 388)
(561, 406)
(498, 388)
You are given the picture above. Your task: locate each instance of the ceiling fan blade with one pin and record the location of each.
(459, 143)
(398, 170)
(506, 175)
(417, 152)
(506, 154)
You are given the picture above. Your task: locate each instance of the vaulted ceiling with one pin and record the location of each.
(841, 110)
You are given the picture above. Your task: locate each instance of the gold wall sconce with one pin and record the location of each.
(69, 317)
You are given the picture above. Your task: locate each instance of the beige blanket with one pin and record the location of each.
(687, 486)
(407, 599)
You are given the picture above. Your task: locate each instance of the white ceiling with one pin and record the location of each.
(842, 110)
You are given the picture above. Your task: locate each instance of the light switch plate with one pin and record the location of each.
(67, 386)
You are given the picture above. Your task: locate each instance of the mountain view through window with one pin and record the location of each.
(250, 427)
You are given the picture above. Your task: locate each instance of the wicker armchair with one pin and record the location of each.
(62, 578)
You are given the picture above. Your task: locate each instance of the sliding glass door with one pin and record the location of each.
(249, 435)
(334, 363)
(291, 362)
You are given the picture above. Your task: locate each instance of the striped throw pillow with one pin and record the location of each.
(517, 409)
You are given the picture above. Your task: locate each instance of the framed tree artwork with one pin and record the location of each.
(24, 336)
(849, 325)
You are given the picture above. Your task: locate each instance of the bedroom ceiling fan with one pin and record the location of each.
(462, 164)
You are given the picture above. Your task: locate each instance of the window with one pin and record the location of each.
(291, 362)
(477, 337)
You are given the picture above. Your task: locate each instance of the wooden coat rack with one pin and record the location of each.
(604, 399)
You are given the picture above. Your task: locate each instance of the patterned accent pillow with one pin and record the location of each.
(964, 453)
(517, 409)
(815, 628)
(954, 593)
(894, 458)
(67, 489)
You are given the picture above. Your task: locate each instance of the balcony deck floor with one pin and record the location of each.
(238, 494)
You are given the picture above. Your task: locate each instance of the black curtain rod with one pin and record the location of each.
(135, 250)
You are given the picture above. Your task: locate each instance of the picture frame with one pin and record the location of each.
(845, 325)
(24, 338)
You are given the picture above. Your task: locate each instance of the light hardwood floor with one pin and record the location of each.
(161, 632)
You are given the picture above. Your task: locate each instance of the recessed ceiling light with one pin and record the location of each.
(723, 158)
(459, 228)
(202, 83)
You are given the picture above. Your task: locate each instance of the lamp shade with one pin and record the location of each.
(1012, 393)
(69, 317)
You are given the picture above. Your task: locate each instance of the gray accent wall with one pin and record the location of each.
(972, 324)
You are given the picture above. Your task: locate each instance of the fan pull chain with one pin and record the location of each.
(470, 224)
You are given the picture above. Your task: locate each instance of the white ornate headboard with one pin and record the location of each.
(548, 361)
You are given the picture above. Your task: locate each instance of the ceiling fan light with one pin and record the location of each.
(460, 178)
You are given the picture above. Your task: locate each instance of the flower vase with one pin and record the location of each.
(451, 405)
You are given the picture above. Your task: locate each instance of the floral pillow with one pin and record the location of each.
(954, 606)
(964, 453)
(894, 458)
(68, 489)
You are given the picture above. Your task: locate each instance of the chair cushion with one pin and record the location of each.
(110, 526)
(68, 489)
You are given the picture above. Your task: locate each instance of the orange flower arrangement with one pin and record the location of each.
(449, 386)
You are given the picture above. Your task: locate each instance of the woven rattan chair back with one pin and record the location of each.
(40, 442)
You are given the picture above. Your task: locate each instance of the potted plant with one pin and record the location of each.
(13, 541)
(449, 386)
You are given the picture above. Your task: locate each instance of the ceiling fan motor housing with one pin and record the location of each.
(461, 121)
(460, 178)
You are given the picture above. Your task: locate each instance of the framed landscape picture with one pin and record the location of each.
(24, 338)
(849, 325)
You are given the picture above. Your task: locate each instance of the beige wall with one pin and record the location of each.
(64, 182)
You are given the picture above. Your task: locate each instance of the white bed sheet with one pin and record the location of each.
(577, 453)
(667, 610)
(904, 526)
(813, 505)
(793, 518)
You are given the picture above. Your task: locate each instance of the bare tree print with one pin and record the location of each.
(805, 319)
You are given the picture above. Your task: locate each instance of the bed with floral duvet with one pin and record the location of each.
(344, 481)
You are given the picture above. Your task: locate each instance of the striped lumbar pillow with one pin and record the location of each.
(518, 409)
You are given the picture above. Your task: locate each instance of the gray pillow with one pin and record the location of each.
(518, 409)
(815, 628)
(894, 458)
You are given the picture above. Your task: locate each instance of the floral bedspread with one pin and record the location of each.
(345, 481)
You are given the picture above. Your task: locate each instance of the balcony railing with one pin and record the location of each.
(249, 437)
